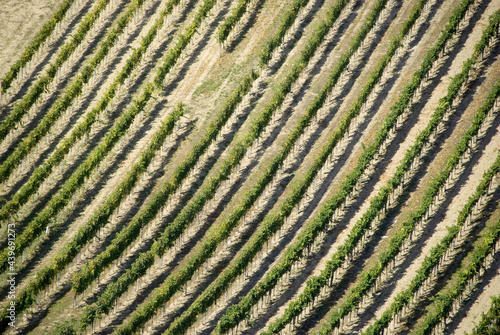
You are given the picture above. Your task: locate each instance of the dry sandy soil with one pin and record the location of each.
(20, 21)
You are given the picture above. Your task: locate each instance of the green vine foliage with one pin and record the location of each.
(490, 322)
(288, 18)
(127, 235)
(439, 250)
(35, 45)
(61, 105)
(89, 272)
(369, 276)
(271, 223)
(225, 27)
(40, 173)
(83, 279)
(173, 231)
(46, 275)
(443, 301)
(61, 199)
(309, 235)
(143, 262)
(29, 99)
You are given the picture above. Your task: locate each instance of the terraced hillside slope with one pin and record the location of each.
(252, 166)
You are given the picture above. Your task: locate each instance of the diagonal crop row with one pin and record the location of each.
(122, 283)
(174, 230)
(123, 239)
(238, 312)
(35, 45)
(287, 20)
(310, 233)
(225, 27)
(86, 232)
(234, 18)
(46, 276)
(438, 253)
(467, 276)
(63, 103)
(42, 172)
(29, 99)
(110, 254)
(221, 232)
(59, 200)
(490, 321)
(70, 250)
(132, 63)
(182, 171)
(370, 277)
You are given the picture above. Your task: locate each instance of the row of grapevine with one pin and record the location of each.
(35, 45)
(130, 232)
(370, 277)
(189, 212)
(438, 253)
(264, 232)
(83, 127)
(470, 270)
(225, 27)
(238, 312)
(63, 103)
(58, 201)
(269, 284)
(82, 279)
(287, 187)
(87, 231)
(29, 99)
(173, 230)
(287, 21)
(490, 321)
(63, 259)
(185, 167)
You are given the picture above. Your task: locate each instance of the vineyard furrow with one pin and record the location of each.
(63, 105)
(42, 59)
(443, 252)
(61, 80)
(195, 201)
(305, 268)
(475, 308)
(99, 110)
(27, 102)
(439, 231)
(324, 95)
(249, 166)
(84, 77)
(449, 299)
(368, 276)
(392, 51)
(34, 48)
(103, 149)
(489, 320)
(65, 255)
(275, 277)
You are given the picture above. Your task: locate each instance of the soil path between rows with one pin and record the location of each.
(20, 21)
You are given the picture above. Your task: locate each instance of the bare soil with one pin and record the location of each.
(20, 21)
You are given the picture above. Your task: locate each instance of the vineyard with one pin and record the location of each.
(250, 167)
